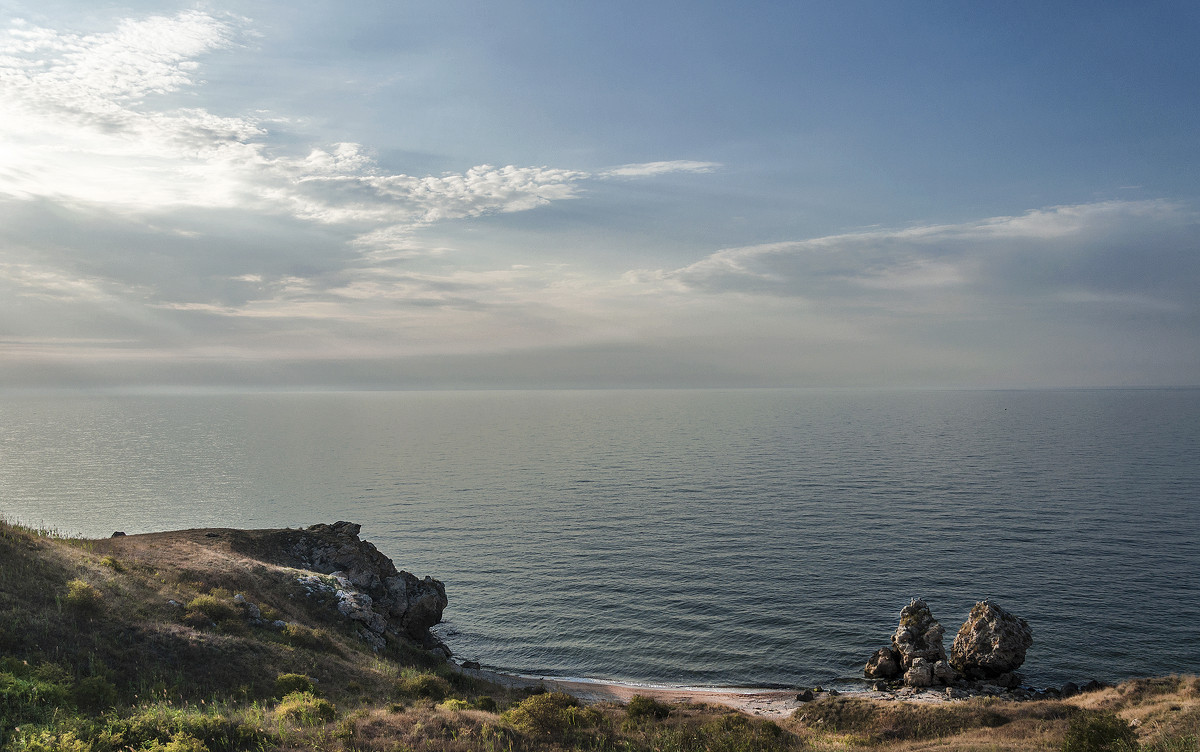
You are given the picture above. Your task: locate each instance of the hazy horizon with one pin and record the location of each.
(529, 195)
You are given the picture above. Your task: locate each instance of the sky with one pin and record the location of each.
(525, 194)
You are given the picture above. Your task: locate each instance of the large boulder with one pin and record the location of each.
(919, 635)
(991, 642)
(884, 664)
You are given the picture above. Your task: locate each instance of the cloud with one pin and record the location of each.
(1115, 250)
(195, 222)
(648, 169)
(84, 127)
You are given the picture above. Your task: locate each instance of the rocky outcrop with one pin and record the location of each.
(884, 664)
(919, 635)
(916, 655)
(368, 587)
(987, 650)
(991, 643)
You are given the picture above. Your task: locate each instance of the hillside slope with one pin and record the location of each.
(286, 639)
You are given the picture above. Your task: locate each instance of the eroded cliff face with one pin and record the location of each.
(369, 589)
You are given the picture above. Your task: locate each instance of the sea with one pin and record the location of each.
(749, 538)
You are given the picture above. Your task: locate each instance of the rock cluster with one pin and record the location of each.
(368, 587)
(989, 646)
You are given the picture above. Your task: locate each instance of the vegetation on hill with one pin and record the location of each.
(143, 643)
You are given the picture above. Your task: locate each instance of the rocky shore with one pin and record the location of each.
(365, 587)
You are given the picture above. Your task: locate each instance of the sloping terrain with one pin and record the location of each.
(310, 639)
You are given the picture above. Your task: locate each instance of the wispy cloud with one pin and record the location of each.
(647, 169)
(83, 127)
(1143, 247)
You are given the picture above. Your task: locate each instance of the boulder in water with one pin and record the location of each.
(991, 642)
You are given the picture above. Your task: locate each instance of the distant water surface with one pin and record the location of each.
(743, 537)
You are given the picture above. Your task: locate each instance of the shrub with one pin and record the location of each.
(46, 741)
(94, 693)
(286, 684)
(552, 713)
(25, 699)
(646, 707)
(454, 704)
(1099, 732)
(182, 742)
(486, 703)
(159, 726)
(306, 709)
(82, 598)
(112, 564)
(423, 685)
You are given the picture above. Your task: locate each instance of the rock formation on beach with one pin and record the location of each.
(919, 635)
(991, 642)
(918, 645)
(989, 646)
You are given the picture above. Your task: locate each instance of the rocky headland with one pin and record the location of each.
(386, 602)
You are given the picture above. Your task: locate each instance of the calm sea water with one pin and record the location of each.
(682, 537)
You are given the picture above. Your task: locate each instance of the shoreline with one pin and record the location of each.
(757, 701)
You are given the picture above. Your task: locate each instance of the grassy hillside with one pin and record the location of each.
(207, 640)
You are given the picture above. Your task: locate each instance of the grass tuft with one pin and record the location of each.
(286, 684)
(306, 709)
(83, 598)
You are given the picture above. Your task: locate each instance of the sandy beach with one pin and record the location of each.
(768, 703)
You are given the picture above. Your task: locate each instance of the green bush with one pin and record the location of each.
(159, 726)
(27, 699)
(646, 707)
(423, 685)
(285, 684)
(47, 741)
(94, 693)
(82, 598)
(1099, 732)
(486, 703)
(306, 709)
(454, 704)
(179, 743)
(113, 564)
(553, 713)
